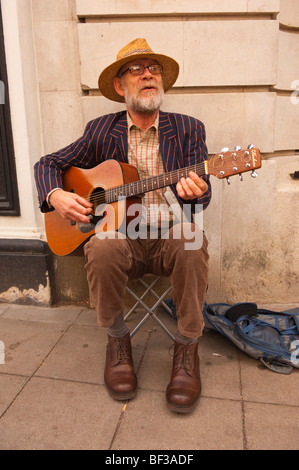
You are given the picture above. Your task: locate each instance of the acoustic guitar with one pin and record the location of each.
(113, 187)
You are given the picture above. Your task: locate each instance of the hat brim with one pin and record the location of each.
(170, 73)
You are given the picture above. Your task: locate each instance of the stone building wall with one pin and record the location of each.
(239, 74)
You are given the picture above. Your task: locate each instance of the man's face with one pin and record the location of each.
(142, 93)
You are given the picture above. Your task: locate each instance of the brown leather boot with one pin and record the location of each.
(119, 375)
(184, 389)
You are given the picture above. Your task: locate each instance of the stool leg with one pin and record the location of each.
(151, 312)
(155, 293)
(149, 289)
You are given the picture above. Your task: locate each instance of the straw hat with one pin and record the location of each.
(137, 49)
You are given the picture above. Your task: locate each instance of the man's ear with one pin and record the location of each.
(118, 86)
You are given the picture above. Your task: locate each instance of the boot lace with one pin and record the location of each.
(183, 358)
(122, 350)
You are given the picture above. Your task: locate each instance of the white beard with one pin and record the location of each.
(149, 103)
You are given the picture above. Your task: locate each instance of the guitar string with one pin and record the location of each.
(198, 168)
(127, 188)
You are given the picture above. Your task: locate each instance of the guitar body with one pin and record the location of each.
(113, 187)
(65, 236)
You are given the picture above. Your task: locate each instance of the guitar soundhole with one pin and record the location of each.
(97, 198)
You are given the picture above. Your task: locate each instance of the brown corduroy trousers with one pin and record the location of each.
(115, 259)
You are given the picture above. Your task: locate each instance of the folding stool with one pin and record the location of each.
(149, 284)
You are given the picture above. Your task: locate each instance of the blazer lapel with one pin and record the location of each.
(168, 142)
(120, 135)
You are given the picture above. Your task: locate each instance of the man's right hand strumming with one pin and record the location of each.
(71, 206)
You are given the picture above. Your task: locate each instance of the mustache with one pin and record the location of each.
(149, 84)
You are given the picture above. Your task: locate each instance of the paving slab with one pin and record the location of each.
(10, 386)
(86, 317)
(259, 384)
(148, 425)
(65, 315)
(78, 356)
(60, 415)
(27, 343)
(271, 427)
(52, 394)
(220, 368)
(3, 308)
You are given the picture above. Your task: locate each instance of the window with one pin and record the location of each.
(9, 199)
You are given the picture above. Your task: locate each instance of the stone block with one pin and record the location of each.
(69, 284)
(268, 6)
(289, 13)
(53, 10)
(99, 44)
(57, 56)
(286, 123)
(288, 61)
(225, 53)
(210, 53)
(246, 246)
(24, 276)
(230, 118)
(95, 106)
(87, 8)
(212, 222)
(260, 238)
(61, 119)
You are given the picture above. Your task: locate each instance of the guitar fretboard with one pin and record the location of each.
(150, 184)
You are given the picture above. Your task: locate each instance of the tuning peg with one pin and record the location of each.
(254, 174)
(228, 181)
(250, 146)
(225, 149)
(237, 147)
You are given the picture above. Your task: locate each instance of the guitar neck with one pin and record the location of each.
(222, 165)
(155, 182)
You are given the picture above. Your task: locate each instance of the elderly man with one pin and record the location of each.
(154, 142)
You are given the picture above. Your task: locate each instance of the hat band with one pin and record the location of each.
(137, 51)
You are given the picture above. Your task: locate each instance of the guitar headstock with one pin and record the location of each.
(226, 163)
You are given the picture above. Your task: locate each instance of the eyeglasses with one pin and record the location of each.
(154, 69)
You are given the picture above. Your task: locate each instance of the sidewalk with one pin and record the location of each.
(52, 394)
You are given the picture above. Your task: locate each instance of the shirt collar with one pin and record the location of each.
(131, 124)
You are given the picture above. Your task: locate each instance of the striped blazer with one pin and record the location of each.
(182, 143)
